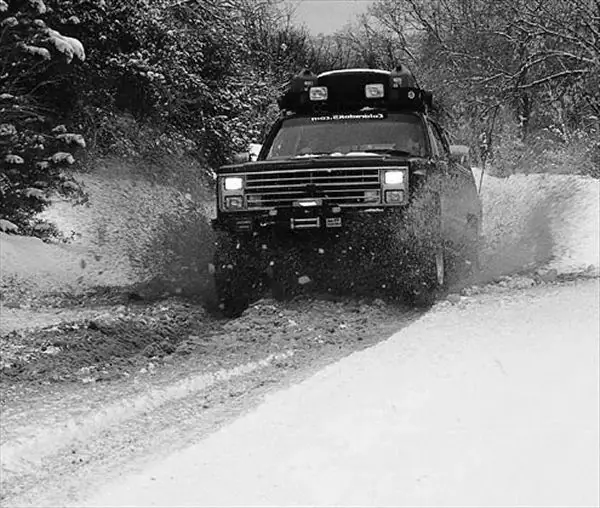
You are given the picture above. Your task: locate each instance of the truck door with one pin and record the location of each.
(461, 210)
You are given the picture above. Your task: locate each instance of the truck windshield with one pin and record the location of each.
(394, 133)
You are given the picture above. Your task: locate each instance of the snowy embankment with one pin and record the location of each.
(121, 221)
(530, 221)
(30, 264)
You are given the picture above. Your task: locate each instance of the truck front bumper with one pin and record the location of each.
(315, 219)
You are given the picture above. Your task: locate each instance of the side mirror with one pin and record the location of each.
(460, 155)
(241, 157)
(428, 98)
(253, 150)
(250, 156)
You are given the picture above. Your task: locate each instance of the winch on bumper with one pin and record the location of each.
(310, 215)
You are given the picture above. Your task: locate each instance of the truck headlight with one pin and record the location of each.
(393, 177)
(234, 202)
(233, 183)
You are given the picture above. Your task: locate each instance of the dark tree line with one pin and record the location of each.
(195, 76)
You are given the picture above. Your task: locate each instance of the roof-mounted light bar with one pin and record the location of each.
(374, 91)
(318, 93)
(303, 82)
(353, 89)
(401, 77)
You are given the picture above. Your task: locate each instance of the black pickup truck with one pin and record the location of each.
(354, 190)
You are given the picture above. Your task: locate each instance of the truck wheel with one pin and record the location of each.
(238, 277)
(428, 281)
(429, 259)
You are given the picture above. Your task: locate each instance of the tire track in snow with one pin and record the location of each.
(24, 454)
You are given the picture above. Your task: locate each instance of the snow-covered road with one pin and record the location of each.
(490, 402)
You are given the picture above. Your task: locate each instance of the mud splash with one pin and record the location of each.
(534, 222)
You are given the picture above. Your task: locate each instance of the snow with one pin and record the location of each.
(19, 454)
(121, 217)
(35, 50)
(69, 138)
(68, 46)
(8, 226)
(14, 159)
(492, 403)
(60, 157)
(49, 268)
(550, 221)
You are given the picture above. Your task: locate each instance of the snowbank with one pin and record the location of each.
(30, 264)
(122, 219)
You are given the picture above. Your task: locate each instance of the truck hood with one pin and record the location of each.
(354, 160)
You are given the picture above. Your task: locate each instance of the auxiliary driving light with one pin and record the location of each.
(233, 183)
(232, 202)
(393, 177)
(318, 93)
(308, 202)
(374, 91)
(394, 196)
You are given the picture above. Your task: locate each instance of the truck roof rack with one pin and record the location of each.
(355, 89)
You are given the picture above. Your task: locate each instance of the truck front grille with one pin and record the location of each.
(358, 186)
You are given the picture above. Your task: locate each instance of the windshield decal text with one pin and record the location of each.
(359, 116)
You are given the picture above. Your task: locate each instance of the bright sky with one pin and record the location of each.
(327, 16)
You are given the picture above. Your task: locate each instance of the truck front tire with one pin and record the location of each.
(238, 277)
